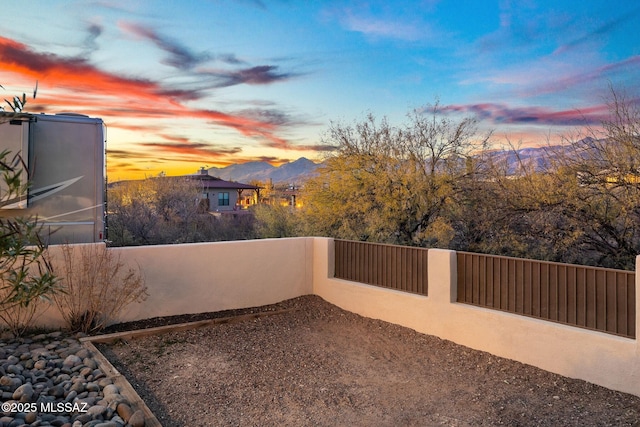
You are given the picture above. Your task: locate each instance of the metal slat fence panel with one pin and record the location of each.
(402, 268)
(588, 297)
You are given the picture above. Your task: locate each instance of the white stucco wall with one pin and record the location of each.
(596, 357)
(204, 277)
(194, 278)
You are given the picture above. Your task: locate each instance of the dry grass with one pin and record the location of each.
(96, 287)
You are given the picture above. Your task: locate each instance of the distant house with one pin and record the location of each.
(218, 195)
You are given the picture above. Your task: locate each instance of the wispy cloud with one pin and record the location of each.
(180, 56)
(94, 31)
(598, 33)
(199, 151)
(99, 92)
(503, 114)
(383, 21)
(382, 28)
(558, 83)
(317, 148)
(72, 73)
(184, 59)
(258, 75)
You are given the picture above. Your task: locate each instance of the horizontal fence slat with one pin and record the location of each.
(593, 298)
(402, 268)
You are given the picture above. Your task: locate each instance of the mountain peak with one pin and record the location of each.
(292, 172)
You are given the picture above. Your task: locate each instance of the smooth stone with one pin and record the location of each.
(11, 382)
(110, 389)
(70, 396)
(60, 421)
(103, 382)
(83, 418)
(62, 378)
(56, 391)
(137, 419)
(116, 419)
(71, 360)
(96, 410)
(92, 387)
(31, 417)
(14, 369)
(97, 373)
(90, 363)
(83, 353)
(124, 411)
(78, 387)
(25, 391)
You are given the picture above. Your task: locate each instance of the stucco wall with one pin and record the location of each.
(213, 200)
(203, 277)
(195, 278)
(596, 357)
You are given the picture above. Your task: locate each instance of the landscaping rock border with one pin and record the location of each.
(54, 380)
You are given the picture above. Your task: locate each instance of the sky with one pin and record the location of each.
(185, 84)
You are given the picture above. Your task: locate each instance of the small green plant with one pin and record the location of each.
(26, 277)
(17, 103)
(97, 287)
(25, 273)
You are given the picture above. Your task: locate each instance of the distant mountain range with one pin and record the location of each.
(294, 172)
(298, 171)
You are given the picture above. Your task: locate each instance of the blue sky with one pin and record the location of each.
(184, 84)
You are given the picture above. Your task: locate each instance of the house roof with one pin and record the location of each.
(209, 182)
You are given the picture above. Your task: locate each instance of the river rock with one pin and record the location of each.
(51, 370)
(137, 419)
(125, 411)
(110, 389)
(71, 360)
(24, 393)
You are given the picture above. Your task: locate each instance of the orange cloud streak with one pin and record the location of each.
(106, 93)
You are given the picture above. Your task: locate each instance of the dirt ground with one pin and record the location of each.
(318, 365)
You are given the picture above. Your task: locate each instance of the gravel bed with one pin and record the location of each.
(52, 380)
(318, 365)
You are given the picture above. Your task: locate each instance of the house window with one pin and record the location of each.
(223, 199)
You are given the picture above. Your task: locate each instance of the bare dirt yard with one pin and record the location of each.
(318, 365)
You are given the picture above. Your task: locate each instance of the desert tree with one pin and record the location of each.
(389, 183)
(580, 203)
(131, 214)
(605, 200)
(167, 210)
(275, 220)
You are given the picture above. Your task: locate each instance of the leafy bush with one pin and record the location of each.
(25, 273)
